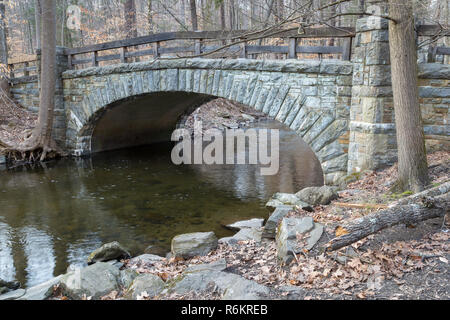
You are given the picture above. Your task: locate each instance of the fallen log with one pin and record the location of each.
(408, 214)
(432, 192)
(360, 205)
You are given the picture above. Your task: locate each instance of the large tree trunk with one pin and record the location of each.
(412, 161)
(48, 74)
(193, 9)
(130, 19)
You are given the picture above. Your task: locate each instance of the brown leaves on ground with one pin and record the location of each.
(362, 274)
(15, 122)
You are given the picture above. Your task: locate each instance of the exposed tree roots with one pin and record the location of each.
(33, 150)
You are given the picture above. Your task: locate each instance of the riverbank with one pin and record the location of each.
(223, 114)
(401, 262)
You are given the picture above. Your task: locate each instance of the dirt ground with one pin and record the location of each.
(223, 114)
(15, 122)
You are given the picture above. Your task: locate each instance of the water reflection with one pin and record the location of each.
(7, 270)
(54, 216)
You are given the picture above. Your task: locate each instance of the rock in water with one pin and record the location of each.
(93, 281)
(8, 285)
(317, 195)
(245, 234)
(252, 223)
(287, 199)
(107, 252)
(189, 245)
(145, 283)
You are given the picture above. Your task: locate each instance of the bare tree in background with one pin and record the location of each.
(37, 14)
(130, 19)
(193, 9)
(3, 34)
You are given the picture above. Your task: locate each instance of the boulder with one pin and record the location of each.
(40, 292)
(218, 265)
(252, 223)
(271, 224)
(146, 259)
(190, 245)
(286, 237)
(93, 281)
(156, 249)
(9, 285)
(107, 252)
(13, 295)
(149, 283)
(314, 236)
(231, 286)
(287, 199)
(317, 195)
(248, 117)
(127, 277)
(244, 234)
(293, 292)
(115, 263)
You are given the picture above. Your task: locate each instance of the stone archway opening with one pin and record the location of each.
(142, 120)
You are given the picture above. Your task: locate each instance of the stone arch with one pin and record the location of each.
(277, 94)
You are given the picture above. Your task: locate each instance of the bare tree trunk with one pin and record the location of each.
(3, 34)
(223, 25)
(151, 28)
(412, 161)
(266, 18)
(232, 16)
(130, 19)
(193, 9)
(37, 14)
(48, 69)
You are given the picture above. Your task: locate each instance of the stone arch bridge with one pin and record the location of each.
(341, 109)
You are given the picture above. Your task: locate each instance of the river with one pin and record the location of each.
(54, 215)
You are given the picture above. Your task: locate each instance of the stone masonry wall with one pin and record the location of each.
(434, 98)
(26, 93)
(311, 97)
(373, 142)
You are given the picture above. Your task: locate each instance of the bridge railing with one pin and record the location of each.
(25, 68)
(220, 44)
(238, 43)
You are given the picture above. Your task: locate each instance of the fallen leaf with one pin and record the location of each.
(340, 231)
(443, 259)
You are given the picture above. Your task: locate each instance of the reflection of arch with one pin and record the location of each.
(274, 93)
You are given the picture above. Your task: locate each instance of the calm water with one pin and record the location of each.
(54, 216)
